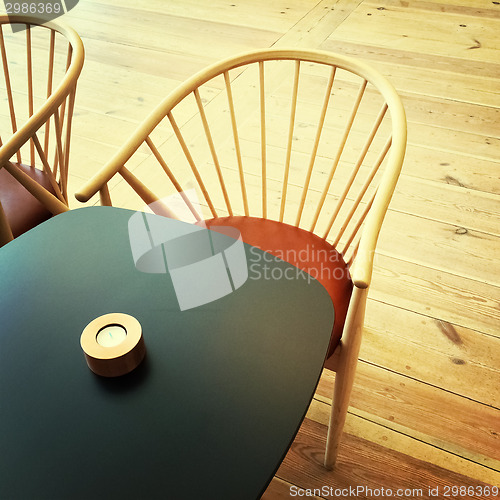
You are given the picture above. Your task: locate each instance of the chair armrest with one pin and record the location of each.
(362, 269)
(113, 166)
(106, 173)
(363, 263)
(51, 202)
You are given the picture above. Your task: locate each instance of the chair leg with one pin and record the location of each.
(5, 231)
(344, 378)
(340, 404)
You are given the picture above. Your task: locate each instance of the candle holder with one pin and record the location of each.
(113, 344)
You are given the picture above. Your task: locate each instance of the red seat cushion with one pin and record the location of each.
(305, 251)
(22, 209)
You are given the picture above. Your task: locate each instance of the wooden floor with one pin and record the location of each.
(425, 411)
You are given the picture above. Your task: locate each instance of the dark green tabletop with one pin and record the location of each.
(211, 411)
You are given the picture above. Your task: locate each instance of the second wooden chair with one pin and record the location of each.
(41, 65)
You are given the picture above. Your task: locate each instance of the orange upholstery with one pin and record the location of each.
(22, 209)
(305, 251)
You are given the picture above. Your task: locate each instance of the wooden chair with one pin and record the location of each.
(301, 151)
(41, 65)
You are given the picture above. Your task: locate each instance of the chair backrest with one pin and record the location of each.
(40, 67)
(309, 138)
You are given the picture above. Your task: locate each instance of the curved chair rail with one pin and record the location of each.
(396, 147)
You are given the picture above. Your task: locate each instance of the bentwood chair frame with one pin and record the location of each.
(39, 138)
(367, 209)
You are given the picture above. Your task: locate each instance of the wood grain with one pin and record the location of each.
(362, 464)
(425, 409)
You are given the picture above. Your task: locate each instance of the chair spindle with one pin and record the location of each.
(8, 88)
(291, 126)
(29, 66)
(340, 150)
(50, 79)
(362, 192)
(237, 148)
(213, 152)
(191, 162)
(46, 168)
(358, 225)
(319, 130)
(172, 177)
(105, 197)
(356, 169)
(262, 95)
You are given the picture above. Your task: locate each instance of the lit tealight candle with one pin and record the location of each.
(111, 335)
(113, 344)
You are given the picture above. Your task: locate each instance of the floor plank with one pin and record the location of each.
(418, 409)
(425, 407)
(438, 294)
(365, 467)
